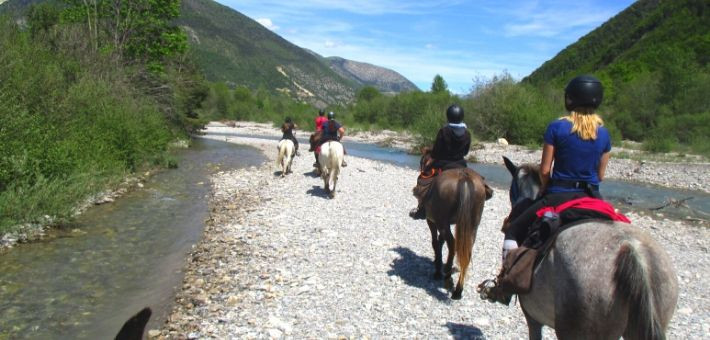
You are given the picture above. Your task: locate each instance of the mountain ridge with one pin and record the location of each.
(366, 74)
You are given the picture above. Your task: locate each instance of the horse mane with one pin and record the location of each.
(531, 170)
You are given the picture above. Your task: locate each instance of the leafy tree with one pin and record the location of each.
(137, 30)
(439, 85)
(368, 93)
(41, 17)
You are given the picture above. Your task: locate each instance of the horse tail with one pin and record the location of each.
(632, 285)
(464, 224)
(336, 160)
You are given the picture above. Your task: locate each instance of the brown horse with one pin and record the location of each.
(601, 280)
(456, 197)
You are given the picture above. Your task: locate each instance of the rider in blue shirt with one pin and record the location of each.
(579, 145)
(332, 130)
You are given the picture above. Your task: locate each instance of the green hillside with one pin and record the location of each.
(653, 60)
(233, 48)
(650, 35)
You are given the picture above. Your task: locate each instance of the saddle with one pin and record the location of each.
(516, 275)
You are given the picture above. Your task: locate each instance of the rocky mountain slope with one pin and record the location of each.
(364, 74)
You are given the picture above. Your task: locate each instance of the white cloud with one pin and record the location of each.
(429, 46)
(551, 18)
(364, 7)
(266, 22)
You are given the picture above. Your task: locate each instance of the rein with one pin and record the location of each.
(430, 174)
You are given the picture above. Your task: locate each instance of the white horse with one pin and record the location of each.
(600, 281)
(331, 160)
(285, 158)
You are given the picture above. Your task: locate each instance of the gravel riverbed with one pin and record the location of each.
(278, 259)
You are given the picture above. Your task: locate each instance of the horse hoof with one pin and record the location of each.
(449, 283)
(457, 294)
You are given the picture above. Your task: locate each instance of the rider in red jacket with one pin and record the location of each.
(320, 120)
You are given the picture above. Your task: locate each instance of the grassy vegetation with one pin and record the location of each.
(653, 61)
(75, 121)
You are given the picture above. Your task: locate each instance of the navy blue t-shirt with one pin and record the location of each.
(328, 133)
(575, 159)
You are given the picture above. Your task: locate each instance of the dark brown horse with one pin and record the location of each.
(601, 280)
(456, 197)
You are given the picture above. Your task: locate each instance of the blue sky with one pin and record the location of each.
(460, 40)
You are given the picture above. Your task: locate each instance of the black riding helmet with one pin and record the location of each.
(583, 91)
(321, 112)
(288, 120)
(331, 115)
(454, 114)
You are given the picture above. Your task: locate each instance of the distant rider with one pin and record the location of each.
(450, 147)
(318, 134)
(332, 130)
(320, 120)
(287, 128)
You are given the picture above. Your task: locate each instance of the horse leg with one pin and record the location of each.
(448, 237)
(437, 245)
(534, 327)
(334, 178)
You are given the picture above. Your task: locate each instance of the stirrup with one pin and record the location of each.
(488, 290)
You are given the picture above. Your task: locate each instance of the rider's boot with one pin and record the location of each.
(490, 291)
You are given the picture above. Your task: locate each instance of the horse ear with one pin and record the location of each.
(511, 167)
(135, 326)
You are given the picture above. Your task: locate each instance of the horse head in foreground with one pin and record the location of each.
(285, 158)
(456, 197)
(330, 160)
(134, 328)
(601, 280)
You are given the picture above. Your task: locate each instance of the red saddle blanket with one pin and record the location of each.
(588, 203)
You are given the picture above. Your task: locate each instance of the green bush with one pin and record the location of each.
(659, 144)
(72, 127)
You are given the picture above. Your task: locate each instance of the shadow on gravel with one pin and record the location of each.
(317, 191)
(459, 331)
(417, 271)
(311, 173)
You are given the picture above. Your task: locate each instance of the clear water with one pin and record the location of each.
(85, 281)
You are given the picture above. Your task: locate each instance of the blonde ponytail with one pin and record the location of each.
(584, 122)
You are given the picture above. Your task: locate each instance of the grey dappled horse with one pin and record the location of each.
(600, 281)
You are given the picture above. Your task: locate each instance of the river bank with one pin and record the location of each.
(279, 259)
